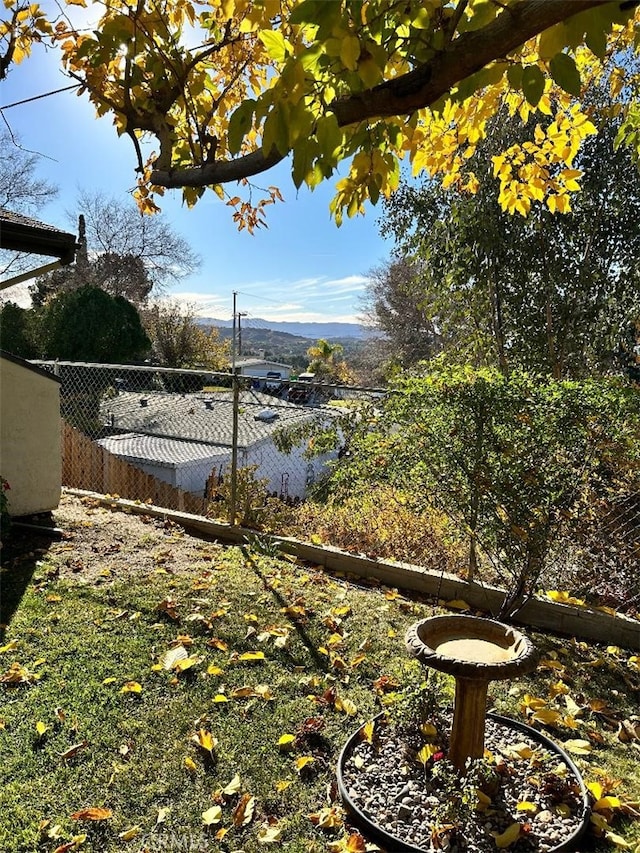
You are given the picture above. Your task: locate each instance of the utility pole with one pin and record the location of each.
(240, 315)
(234, 428)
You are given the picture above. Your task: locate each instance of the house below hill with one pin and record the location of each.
(186, 439)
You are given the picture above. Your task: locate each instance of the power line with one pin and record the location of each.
(37, 97)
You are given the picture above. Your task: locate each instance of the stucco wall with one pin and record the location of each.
(30, 456)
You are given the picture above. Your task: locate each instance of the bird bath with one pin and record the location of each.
(474, 651)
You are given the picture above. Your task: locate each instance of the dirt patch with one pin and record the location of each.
(98, 544)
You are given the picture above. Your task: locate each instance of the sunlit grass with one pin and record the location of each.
(136, 754)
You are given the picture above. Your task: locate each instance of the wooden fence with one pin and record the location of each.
(86, 465)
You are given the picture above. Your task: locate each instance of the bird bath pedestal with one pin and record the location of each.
(475, 651)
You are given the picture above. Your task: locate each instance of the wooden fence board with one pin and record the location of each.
(87, 466)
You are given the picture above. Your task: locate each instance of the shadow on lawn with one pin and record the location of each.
(297, 624)
(22, 550)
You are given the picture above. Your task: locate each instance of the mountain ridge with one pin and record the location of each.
(315, 330)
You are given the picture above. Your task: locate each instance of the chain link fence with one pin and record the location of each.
(213, 443)
(237, 448)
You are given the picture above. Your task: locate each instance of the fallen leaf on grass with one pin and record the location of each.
(92, 813)
(73, 750)
(303, 762)
(270, 834)
(129, 834)
(9, 647)
(578, 747)
(172, 656)
(162, 814)
(243, 812)
(212, 816)
(190, 764)
(233, 787)
(131, 687)
(205, 740)
(41, 728)
(330, 817)
(285, 741)
(74, 844)
(282, 784)
(18, 674)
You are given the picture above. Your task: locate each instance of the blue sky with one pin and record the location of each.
(301, 268)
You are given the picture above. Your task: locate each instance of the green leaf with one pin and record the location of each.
(277, 46)
(514, 76)
(532, 84)
(564, 72)
(240, 124)
(350, 52)
(276, 128)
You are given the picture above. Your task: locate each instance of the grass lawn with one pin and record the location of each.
(160, 698)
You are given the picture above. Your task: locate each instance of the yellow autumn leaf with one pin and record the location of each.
(428, 730)
(508, 837)
(458, 604)
(251, 656)
(212, 816)
(303, 761)
(367, 731)
(129, 834)
(526, 806)
(282, 784)
(427, 752)
(270, 834)
(131, 687)
(190, 764)
(606, 803)
(618, 840)
(205, 740)
(546, 716)
(212, 669)
(9, 647)
(578, 747)
(346, 705)
(109, 680)
(233, 787)
(220, 697)
(285, 741)
(41, 728)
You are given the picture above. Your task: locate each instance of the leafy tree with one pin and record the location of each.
(550, 294)
(509, 458)
(368, 82)
(16, 330)
(397, 303)
(179, 341)
(89, 325)
(326, 361)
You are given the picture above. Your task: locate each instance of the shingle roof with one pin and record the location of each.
(166, 452)
(203, 417)
(20, 233)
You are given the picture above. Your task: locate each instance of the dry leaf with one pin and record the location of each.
(171, 657)
(270, 834)
(578, 747)
(73, 750)
(205, 740)
(233, 787)
(212, 816)
(129, 834)
(131, 687)
(367, 731)
(92, 813)
(243, 812)
(285, 741)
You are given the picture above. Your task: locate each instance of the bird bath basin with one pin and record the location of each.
(474, 651)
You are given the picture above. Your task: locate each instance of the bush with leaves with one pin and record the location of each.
(515, 460)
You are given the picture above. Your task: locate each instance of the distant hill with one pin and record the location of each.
(289, 342)
(314, 331)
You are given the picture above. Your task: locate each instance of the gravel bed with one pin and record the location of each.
(426, 807)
